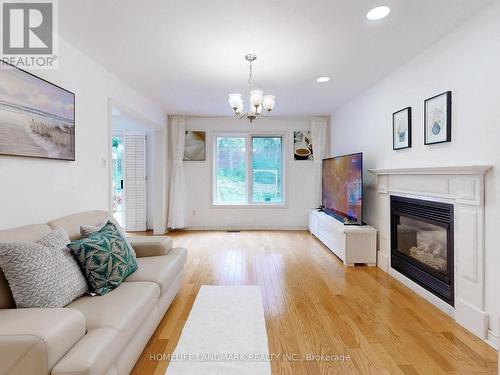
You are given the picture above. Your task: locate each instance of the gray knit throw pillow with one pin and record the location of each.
(42, 273)
(87, 230)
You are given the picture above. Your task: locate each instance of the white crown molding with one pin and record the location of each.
(455, 170)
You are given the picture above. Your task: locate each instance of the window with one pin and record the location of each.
(231, 170)
(266, 169)
(248, 170)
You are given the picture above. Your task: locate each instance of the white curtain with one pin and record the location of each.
(177, 203)
(318, 137)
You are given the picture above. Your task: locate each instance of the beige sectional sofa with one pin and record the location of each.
(92, 335)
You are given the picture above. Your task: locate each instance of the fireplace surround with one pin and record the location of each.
(463, 187)
(422, 244)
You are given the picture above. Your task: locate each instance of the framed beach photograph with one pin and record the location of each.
(437, 119)
(194, 147)
(401, 129)
(302, 145)
(37, 118)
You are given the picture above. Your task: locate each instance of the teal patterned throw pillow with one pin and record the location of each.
(105, 258)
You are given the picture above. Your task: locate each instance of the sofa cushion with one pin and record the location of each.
(150, 246)
(161, 270)
(113, 321)
(42, 273)
(71, 224)
(94, 354)
(123, 309)
(105, 257)
(27, 233)
(41, 336)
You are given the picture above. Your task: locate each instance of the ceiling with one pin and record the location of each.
(188, 54)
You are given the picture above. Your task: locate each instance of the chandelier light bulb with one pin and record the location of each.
(268, 102)
(239, 110)
(256, 97)
(255, 111)
(235, 101)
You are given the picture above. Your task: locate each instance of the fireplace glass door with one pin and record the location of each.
(423, 242)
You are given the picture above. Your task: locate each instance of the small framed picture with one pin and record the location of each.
(437, 119)
(401, 129)
(194, 147)
(302, 145)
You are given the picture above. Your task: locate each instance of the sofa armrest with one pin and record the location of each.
(151, 246)
(32, 341)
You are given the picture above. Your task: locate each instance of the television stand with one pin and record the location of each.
(353, 244)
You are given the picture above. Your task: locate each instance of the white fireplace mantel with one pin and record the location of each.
(466, 170)
(464, 187)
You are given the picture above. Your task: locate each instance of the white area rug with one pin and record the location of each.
(225, 334)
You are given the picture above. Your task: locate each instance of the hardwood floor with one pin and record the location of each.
(314, 306)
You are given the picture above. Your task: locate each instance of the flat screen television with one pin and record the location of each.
(342, 195)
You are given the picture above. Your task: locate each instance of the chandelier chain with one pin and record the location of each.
(250, 79)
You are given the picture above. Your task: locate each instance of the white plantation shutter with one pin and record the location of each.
(135, 181)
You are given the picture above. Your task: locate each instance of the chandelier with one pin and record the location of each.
(258, 101)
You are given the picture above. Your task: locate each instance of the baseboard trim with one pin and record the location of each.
(467, 316)
(382, 261)
(492, 339)
(424, 293)
(472, 318)
(245, 227)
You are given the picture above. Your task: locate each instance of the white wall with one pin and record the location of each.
(37, 190)
(298, 178)
(466, 62)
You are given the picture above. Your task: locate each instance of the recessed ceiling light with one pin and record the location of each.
(322, 79)
(378, 13)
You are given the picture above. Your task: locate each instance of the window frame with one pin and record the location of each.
(249, 169)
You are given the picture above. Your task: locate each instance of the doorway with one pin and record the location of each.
(137, 170)
(129, 176)
(118, 195)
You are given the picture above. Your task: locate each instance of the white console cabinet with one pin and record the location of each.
(351, 243)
